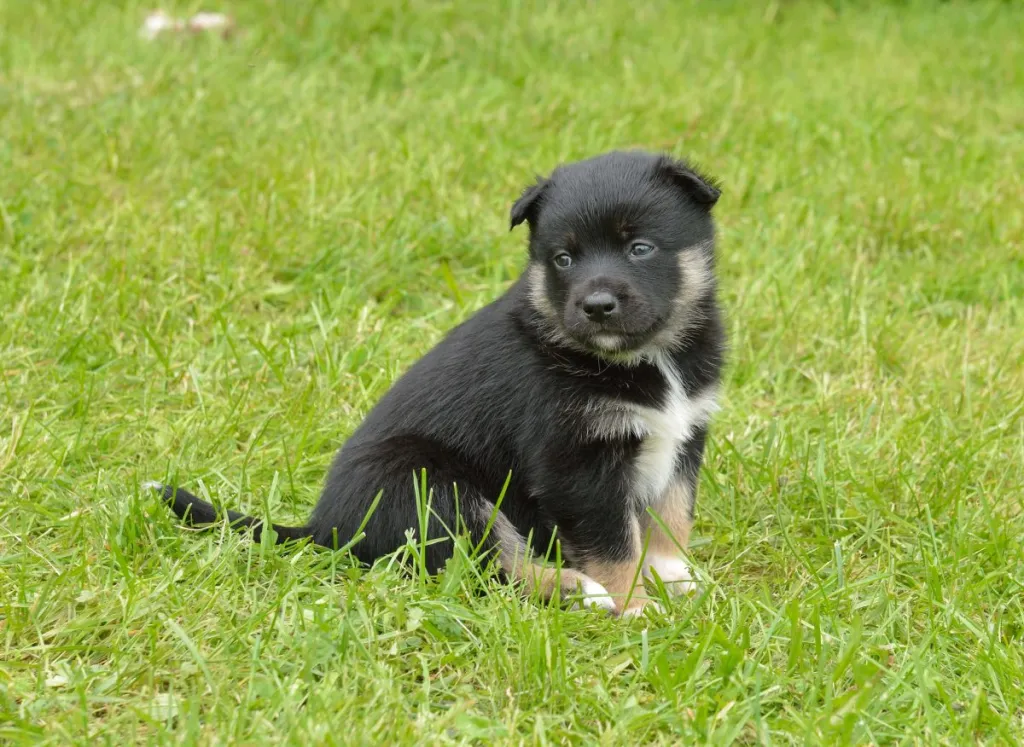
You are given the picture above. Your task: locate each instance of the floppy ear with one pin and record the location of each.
(525, 208)
(703, 190)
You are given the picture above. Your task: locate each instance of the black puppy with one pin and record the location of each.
(591, 381)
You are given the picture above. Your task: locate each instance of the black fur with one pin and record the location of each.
(517, 387)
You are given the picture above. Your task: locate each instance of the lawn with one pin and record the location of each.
(216, 256)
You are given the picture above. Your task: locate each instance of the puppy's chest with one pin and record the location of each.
(662, 431)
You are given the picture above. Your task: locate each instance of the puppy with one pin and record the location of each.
(581, 396)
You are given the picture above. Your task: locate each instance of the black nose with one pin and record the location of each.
(599, 305)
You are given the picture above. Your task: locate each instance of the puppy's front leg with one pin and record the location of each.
(606, 546)
(668, 537)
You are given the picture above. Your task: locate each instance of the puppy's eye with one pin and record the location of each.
(562, 260)
(640, 249)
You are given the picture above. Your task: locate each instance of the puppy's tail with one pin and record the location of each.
(196, 512)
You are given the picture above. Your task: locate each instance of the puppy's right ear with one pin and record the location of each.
(526, 207)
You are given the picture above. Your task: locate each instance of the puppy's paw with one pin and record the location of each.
(673, 571)
(595, 595)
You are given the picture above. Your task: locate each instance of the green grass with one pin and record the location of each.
(215, 257)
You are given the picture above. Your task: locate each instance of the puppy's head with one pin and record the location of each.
(621, 250)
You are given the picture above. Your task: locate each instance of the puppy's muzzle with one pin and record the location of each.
(602, 302)
(600, 306)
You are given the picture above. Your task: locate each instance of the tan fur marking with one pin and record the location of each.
(622, 579)
(516, 561)
(510, 543)
(674, 511)
(667, 537)
(538, 296)
(551, 328)
(545, 581)
(548, 582)
(695, 268)
(697, 277)
(623, 582)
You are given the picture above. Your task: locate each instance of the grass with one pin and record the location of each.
(214, 258)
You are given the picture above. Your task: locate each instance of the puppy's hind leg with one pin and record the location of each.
(519, 566)
(448, 506)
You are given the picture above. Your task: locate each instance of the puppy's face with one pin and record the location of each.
(620, 251)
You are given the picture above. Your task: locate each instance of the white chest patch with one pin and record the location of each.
(662, 430)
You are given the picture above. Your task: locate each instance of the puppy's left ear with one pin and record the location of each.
(526, 207)
(703, 190)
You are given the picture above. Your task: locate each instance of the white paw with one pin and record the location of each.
(595, 595)
(674, 572)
